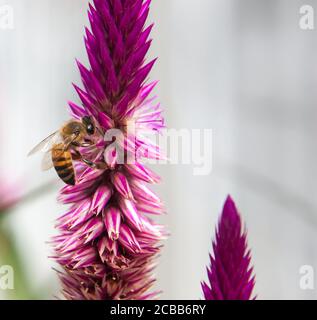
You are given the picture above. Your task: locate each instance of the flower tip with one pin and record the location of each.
(114, 236)
(229, 200)
(229, 208)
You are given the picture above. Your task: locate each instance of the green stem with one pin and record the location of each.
(9, 254)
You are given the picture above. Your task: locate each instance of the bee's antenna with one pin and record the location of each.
(100, 132)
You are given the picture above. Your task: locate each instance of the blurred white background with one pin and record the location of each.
(241, 67)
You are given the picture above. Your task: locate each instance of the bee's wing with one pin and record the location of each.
(47, 162)
(46, 144)
(69, 140)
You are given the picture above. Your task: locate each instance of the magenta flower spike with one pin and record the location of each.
(230, 274)
(107, 242)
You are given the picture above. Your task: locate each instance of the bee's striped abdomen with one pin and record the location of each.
(63, 164)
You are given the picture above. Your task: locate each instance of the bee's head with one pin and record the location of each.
(89, 125)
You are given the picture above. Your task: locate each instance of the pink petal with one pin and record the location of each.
(101, 198)
(110, 156)
(105, 121)
(129, 210)
(122, 185)
(113, 222)
(128, 239)
(143, 192)
(139, 171)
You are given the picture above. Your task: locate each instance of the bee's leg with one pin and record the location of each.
(76, 155)
(100, 131)
(87, 144)
(95, 165)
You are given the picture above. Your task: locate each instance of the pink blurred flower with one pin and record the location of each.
(10, 194)
(230, 274)
(107, 243)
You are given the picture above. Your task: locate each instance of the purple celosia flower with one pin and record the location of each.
(230, 273)
(107, 243)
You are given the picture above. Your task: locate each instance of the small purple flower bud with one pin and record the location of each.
(230, 273)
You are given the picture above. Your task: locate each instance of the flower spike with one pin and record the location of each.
(230, 274)
(107, 244)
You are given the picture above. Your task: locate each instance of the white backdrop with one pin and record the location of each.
(241, 67)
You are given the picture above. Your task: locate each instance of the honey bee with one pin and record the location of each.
(58, 148)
